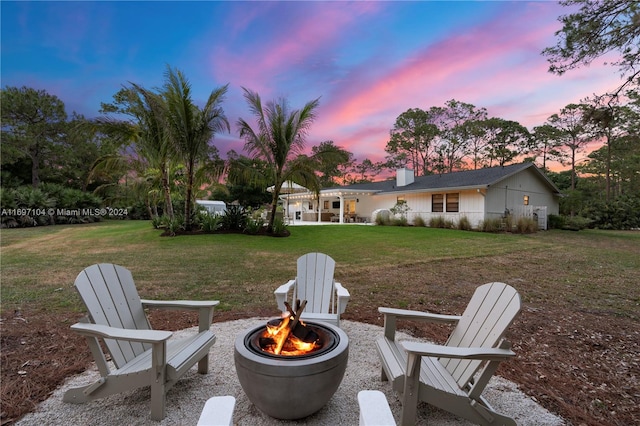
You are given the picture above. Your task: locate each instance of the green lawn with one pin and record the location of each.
(38, 265)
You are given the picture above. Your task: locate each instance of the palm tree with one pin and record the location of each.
(278, 140)
(190, 128)
(153, 143)
(152, 153)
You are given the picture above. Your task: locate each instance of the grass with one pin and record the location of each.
(39, 264)
(580, 291)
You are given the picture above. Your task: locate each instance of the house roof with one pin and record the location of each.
(469, 179)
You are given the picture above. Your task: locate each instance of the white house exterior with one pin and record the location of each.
(519, 189)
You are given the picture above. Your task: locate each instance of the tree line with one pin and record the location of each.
(156, 147)
(153, 150)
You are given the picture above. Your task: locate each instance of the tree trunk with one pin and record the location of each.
(168, 204)
(608, 192)
(187, 201)
(274, 207)
(35, 166)
(573, 168)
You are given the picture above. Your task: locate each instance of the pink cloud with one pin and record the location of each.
(461, 60)
(319, 28)
(497, 65)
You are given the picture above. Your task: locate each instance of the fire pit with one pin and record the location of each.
(294, 377)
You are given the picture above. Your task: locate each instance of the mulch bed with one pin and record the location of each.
(582, 366)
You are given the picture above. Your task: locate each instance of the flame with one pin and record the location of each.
(286, 343)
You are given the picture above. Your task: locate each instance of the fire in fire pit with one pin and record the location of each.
(300, 341)
(289, 336)
(290, 369)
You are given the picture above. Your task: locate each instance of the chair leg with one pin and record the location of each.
(158, 396)
(411, 390)
(77, 395)
(203, 365)
(485, 414)
(383, 376)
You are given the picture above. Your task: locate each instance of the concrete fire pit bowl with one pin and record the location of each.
(291, 387)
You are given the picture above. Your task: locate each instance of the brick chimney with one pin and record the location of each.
(404, 177)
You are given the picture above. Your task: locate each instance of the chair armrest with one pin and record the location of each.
(143, 336)
(205, 308)
(343, 297)
(179, 304)
(429, 349)
(419, 315)
(391, 316)
(281, 294)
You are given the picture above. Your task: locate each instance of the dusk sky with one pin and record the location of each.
(368, 62)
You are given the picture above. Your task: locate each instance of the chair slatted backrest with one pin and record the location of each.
(314, 282)
(111, 298)
(484, 322)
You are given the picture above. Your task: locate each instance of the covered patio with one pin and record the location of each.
(331, 206)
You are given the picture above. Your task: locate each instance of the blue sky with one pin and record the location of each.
(367, 61)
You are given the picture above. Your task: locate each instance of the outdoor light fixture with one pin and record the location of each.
(526, 200)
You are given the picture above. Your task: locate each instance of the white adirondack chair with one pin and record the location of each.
(374, 409)
(326, 298)
(142, 356)
(452, 376)
(217, 411)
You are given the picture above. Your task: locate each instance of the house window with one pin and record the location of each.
(453, 202)
(437, 203)
(526, 200)
(350, 207)
(326, 204)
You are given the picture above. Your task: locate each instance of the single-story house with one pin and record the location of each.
(518, 189)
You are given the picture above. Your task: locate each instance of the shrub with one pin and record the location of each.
(174, 225)
(279, 228)
(464, 224)
(437, 222)
(576, 223)
(383, 218)
(157, 222)
(70, 198)
(136, 211)
(7, 200)
(555, 221)
(401, 209)
(234, 218)
(419, 221)
(491, 225)
(569, 223)
(254, 225)
(34, 198)
(526, 225)
(34, 205)
(399, 221)
(507, 223)
(622, 212)
(209, 222)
